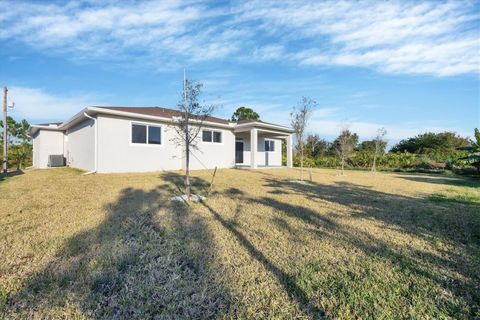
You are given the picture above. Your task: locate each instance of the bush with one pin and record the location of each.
(426, 163)
(397, 161)
(327, 162)
(307, 162)
(361, 159)
(20, 155)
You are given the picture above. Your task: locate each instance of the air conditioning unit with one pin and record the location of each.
(56, 160)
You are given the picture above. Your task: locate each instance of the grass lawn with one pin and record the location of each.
(385, 245)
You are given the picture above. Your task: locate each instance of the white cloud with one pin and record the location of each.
(152, 30)
(37, 105)
(269, 52)
(437, 38)
(367, 130)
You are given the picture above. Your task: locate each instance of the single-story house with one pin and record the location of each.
(140, 139)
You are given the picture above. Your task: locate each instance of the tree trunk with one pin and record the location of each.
(301, 161)
(187, 158)
(187, 172)
(187, 139)
(374, 167)
(343, 165)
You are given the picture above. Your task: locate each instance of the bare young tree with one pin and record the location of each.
(190, 124)
(380, 143)
(299, 119)
(344, 146)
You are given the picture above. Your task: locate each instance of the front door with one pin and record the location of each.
(238, 151)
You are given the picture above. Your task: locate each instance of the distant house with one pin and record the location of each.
(139, 139)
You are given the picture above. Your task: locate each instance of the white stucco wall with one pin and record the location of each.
(274, 157)
(80, 146)
(45, 143)
(116, 153)
(36, 150)
(213, 154)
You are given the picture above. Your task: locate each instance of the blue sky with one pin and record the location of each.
(408, 66)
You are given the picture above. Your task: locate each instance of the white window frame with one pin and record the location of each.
(269, 140)
(147, 124)
(212, 130)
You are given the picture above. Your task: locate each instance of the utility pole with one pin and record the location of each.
(5, 132)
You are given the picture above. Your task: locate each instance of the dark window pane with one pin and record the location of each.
(272, 146)
(267, 145)
(207, 136)
(217, 136)
(154, 135)
(139, 133)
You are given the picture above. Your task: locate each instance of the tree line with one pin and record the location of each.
(19, 143)
(424, 152)
(429, 152)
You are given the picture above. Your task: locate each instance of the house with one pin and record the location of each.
(140, 139)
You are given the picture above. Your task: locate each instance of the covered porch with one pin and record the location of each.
(259, 145)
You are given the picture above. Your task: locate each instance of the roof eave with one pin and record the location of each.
(150, 117)
(258, 124)
(96, 110)
(33, 128)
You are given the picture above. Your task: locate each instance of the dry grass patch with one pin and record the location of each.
(361, 246)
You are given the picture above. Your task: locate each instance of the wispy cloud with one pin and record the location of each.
(38, 105)
(436, 38)
(154, 31)
(330, 121)
(439, 38)
(366, 130)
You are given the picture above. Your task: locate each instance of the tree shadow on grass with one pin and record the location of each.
(4, 176)
(296, 294)
(448, 181)
(148, 258)
(294, 291)
(460, 228)
(414, 215)
(198, 185)
(411, 215)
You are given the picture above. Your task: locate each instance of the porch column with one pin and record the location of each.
(253, 147)
(289, 151)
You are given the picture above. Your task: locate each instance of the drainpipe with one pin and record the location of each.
(95, 145)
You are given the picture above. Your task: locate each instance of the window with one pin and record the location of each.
(212, 136)
(142, 133)
(139, 133)
(217, 136)
(269, 145)
(207, 136)
(154, 135)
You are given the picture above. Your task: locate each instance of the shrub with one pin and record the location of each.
(361, 159)
(327, 162)
(307, 162)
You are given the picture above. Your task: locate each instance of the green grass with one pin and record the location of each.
(261, 246)
(467, 196)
